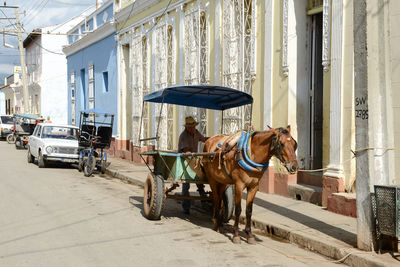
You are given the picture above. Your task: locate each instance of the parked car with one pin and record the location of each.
(6, 124)
(52, 142)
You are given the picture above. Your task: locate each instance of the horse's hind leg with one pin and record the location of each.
(214, 191)
(251, 193)
(221, 191)
(238, 209)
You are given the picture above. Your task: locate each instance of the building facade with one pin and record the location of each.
(294, 56)
(47, 70)
(12, 93)
(92, 64)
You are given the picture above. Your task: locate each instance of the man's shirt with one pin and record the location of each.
(188, 142)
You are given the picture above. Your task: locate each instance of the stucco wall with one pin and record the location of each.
(103, 56)
(2, 103)
(53, 81)
(394, 95)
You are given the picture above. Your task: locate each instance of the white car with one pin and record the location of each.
(52, 142)
(6, 125)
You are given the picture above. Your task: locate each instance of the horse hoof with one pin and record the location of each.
(221, 229)
(251, 240)
(236, 240)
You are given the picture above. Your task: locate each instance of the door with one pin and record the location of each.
(316, 93)
(33, 141)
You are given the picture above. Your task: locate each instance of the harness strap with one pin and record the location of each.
(244, 147)
(226, 171)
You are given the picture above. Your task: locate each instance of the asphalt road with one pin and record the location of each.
(58, 217)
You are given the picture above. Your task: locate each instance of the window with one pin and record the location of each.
(140, 81)
(83, 90)
(105, 81)
(196, 56)
(91, 85)
(73, 97)
(238, 44)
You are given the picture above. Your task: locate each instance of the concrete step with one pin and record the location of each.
(343, 203)
(305, 192)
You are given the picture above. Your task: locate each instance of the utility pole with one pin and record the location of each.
(23, 65)
(365, 223)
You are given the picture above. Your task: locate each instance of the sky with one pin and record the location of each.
(33, 14)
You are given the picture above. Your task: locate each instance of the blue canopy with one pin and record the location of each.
(201, 96)
(28, 116)
(96, 111)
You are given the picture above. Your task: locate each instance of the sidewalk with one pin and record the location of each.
(299, 222)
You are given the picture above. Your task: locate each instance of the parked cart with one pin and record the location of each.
(24, 125)
(95, 132)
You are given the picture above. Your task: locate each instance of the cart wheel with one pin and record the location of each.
(228, 203)
(31, 158)
(18, 142)
(80, 162)
(154, 196)
(41, 161)
(11, 139)
(89, 165)
(103, 164)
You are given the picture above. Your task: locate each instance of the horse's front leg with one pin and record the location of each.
(238, 209)
(251, 193)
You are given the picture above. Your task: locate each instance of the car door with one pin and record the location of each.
(33, 141)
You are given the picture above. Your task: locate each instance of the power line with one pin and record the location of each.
(155, 24)
(130, 12)
(70, 4)
(38, 12)
(43, 33)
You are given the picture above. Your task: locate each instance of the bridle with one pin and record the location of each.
(276, 148)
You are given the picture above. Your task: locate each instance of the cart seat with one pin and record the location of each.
(105, 133)
(86, 132)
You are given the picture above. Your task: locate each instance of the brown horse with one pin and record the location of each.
(274, 142)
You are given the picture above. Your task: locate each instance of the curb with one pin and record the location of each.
(348, 256)
(123, 177)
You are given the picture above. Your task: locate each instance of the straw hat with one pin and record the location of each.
(190, 122)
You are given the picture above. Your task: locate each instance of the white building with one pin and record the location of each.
(47, 70)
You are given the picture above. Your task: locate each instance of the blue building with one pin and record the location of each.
(92, 64)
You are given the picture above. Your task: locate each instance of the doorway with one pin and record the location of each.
(316, 92)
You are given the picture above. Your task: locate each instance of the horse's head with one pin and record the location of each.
(283, 147)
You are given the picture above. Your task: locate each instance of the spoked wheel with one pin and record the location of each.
(154, 196)
(228, 203)
(89, 166)
(18, 143)
(103, 164)
(11, 138)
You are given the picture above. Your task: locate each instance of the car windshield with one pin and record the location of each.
(56, 132)
(7, 120)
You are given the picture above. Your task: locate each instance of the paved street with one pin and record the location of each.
(58, 217)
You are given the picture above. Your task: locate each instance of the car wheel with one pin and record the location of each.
(41, 161)
(31, 158)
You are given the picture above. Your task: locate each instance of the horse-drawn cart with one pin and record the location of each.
(174, 168)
